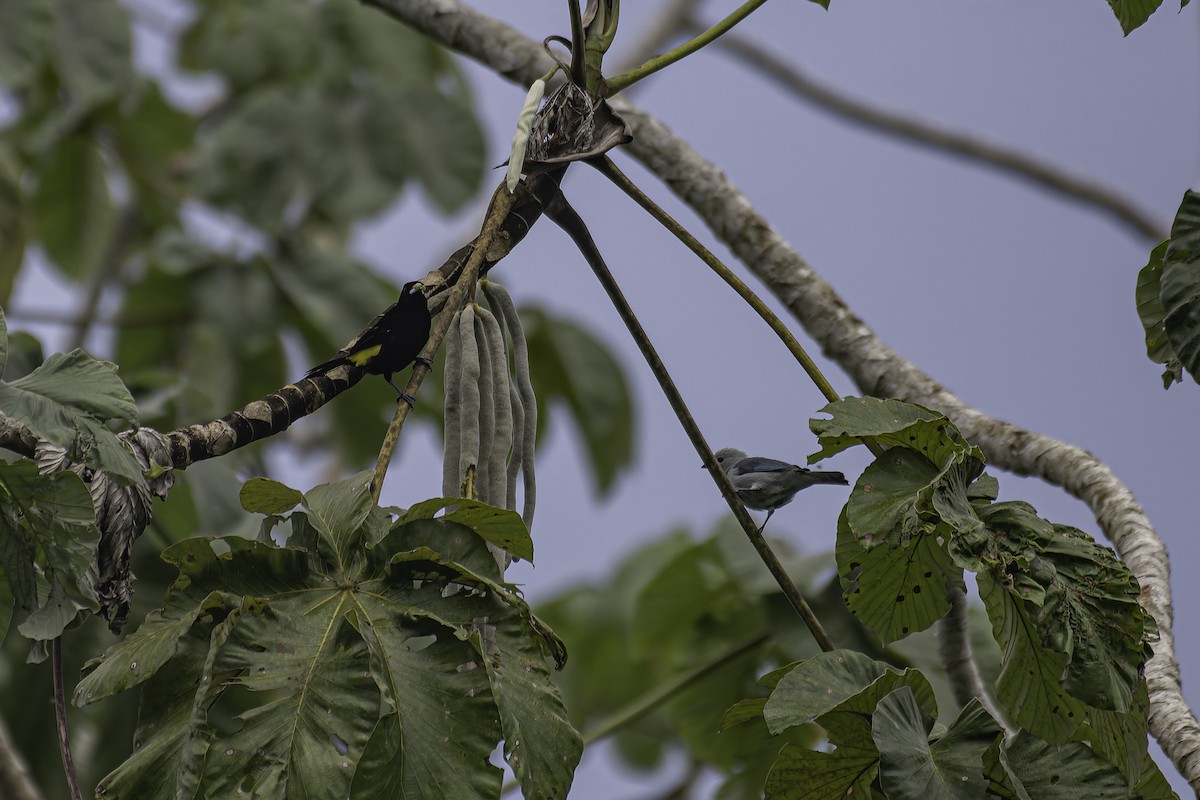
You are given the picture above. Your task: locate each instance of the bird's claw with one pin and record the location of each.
(428, 362)
(405, 397)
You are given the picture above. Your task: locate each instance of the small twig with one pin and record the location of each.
(128, 220)
(629, 77)
(656, 697)
(60, 719)
(565, 217)
(954, 647)
(922, 134)
(661, 694)
(497, 211)
(672, 21)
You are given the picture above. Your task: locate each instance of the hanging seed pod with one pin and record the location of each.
(468, 459)
(502, 414)
(452, 383)
(523, 445)
(487, 412)
(518, 408)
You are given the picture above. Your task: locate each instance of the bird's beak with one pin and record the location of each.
(417, 287)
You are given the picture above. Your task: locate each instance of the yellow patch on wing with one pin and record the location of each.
(362, 357)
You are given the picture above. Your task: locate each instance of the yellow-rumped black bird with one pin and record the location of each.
(391, 341)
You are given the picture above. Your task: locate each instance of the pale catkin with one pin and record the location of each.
(469, 449)
(452, 381)
(502, 414)
(516, 159)
(502, 302)
(487, 412)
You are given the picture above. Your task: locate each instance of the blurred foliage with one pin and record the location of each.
(214, 227)
(676, 604)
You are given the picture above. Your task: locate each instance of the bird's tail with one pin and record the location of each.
(322, 368)
(828, 477)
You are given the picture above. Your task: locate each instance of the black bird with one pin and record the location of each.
(391, 341)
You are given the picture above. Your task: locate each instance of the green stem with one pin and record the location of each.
(609, 169)
(497, 211)
(653, 65)
(60, 720)
(661, 694)
(565, 217)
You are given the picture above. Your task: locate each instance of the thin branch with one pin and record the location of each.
(60, 720)
(954, 647)
(610, 170)
(128, 221)
(15, 781)
(653, 699)
(653, 65)
(969, 148)
(672, 21)
(876, 368)
(502, 201)
(565, 217)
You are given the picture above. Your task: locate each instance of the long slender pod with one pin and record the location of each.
(469, 441)
(452, 381)
(502, 414)
(504, 303)
(487, 412)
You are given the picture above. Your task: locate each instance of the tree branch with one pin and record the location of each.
(954, 647)
(875, 367)
(1054, 179)
(15, 781)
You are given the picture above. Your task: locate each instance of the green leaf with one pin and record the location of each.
(8, 602)
(892, 423)
(1120, 737)
(153, 139)
(803, 774)
(71, 208)
(1180, 285)
(912, 768)
(66, 399)
(1091, 613)
(896, 591)
(1150, 311)
(540, 743)
(265, 496)
(47, 525)
(570, 365)
(24, 29)
(1055, 772)
(390, 675)
(1132, 13)
(141, 655)
(500, 526)
(337, 511)
(251, 44)
(249, 162)
(842, 681)
(1028, 687)
(12, 224)
(886, 499)
(3, 342)
(92, 50)
(445, 143)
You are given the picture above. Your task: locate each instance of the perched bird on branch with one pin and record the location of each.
(391, 341)
(765, 484)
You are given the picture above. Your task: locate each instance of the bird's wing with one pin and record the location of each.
(756, 464)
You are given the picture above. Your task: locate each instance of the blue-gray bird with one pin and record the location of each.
(765, 484)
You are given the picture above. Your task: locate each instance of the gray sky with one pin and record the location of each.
(1019, 302)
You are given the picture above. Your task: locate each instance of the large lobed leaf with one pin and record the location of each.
(48, 535)
(389, 672)
(1180, 286)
